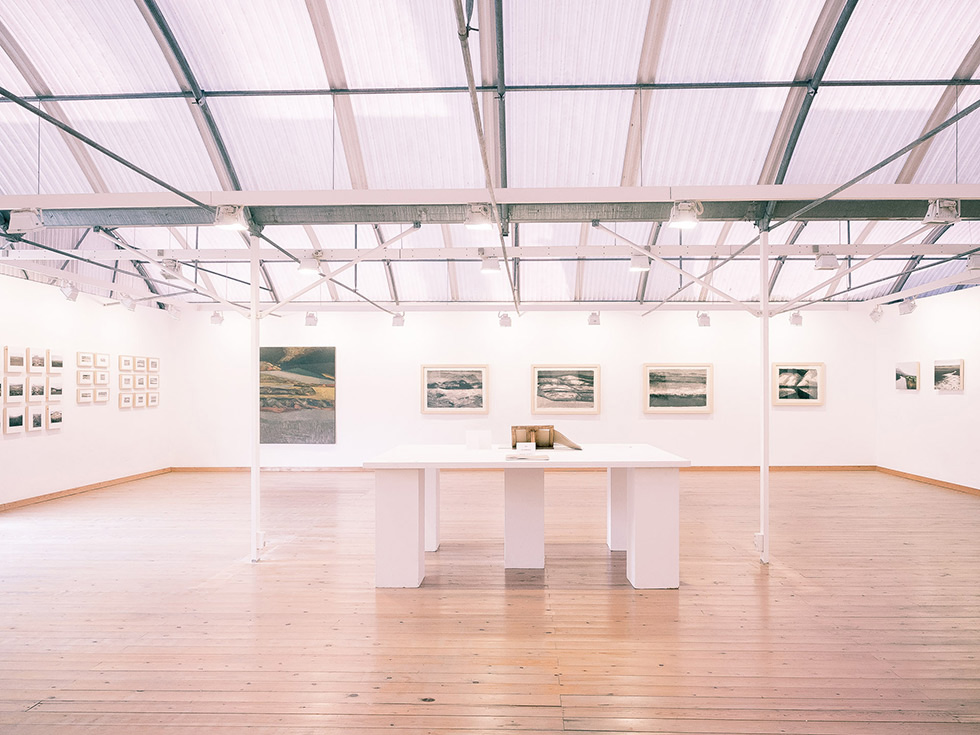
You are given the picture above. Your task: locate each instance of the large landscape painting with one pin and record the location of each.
(297, 395)
(454, 389)
(565, 389)
(677, 388)
(798, 384)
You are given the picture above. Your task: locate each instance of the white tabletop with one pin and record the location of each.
(458, 456)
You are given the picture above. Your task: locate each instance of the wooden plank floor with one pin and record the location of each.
(134, 610)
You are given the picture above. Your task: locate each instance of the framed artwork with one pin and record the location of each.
(34, 419)
(102, 377)
(906, 376)
(675, 388)
(455, 389)
(37, 389)
(139, 364)
(85, 360)
(152, 399)
(125, 382)
(85, 395)
(297, 395)
(798, 384)
(153, 364)
(126, 363)
(565, 389)
(948, 376)
(125, 400)
(153, 382)
(101, 361)
(55, 389)
(56, 362)
(13, 419)
(85, 377)
(37, 361)
(139, 382)
(14, 389)
(101, 395)
(139, 400)
(14, 359)
(55, 417)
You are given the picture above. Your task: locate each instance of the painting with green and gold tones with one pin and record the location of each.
(297, 395)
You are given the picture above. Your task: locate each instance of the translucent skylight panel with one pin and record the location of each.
(936, 273)
(663, 282)
(247, 44)
(573, 41)
(13, 80)
(849, 130)
(283, 143)
(402, 43)
(710, 137)
(796, 277)
(421, 280)
(545, 234)
(426, 236)
(460, 236)
(93, 47)
(567, 138)
(636, 232)
(474, 285)
(954, 154)
(739, 279)
(425, 141)
(333, 237)
(158, 136)
(827, 232)
(232, 282)
(871, 279)
(885, 39)
(547, 280)
(735, 41)
(289, 280)
(963, 233)
(367, 278)
(608, 280)
(35, 157)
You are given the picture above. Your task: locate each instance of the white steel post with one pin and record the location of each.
(253, 397)
(762, 538)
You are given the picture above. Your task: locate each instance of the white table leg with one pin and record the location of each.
(432, 509)
(399, 515)
(616, 508)
(653, 528)
(523, 518)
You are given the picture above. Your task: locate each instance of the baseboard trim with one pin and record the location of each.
(782, 468)
(930, 481)
(81, 489)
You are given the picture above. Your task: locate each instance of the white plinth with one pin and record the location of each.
(523, 518)
(399, 528)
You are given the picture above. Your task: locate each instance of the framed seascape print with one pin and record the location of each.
(34, 419)
(139, 382)
(101, 361)
(454, 389)
(139, 400)
(37, 389)
(55, 389)
(153, 382)
(37, 361)
(565, 389)
(125, 382)
(674, 388)
(13, 419)
(125, 400)
(152, 399)
(153, 364)
(101, 395)
(85, 395)
(85, 360)
(86, 377)
(102, 377)
(126, 363)
(297, 395)
(948, 376)
(56, 362)
(14, 359)
(798, 384)
(139, 364)
(55, 417)
(906, 376)
(14, 388)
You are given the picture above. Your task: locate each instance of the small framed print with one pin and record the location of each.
(56, 362)
(101, 361)
(85, 360)
(37, 361)
(676, 388)
(139, 400)
(125, 400)
(85, 395)
(85, 377)
(798, 384)
(139, 382)
(14, 389)
(34, 419)
(102, 377)
(153, 382)
(55, 417)
(153, 364)
(55, 390)
(139, 364)
(454, 389)
(947, 376)
(14, 359)
(37, 389)
(125, 382)
(13, 419)
(126, 363)
(906, 376)
(152, 399)
(101, 395)
(565, 389)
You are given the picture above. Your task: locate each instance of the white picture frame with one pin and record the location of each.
(34, 418)
(139, 364)
(56, 362)
(85, 360)
(85, 377)
(139, 400)
(102, 361)
(14, 359)
(565, 389)
(455, 389)
(101, 395)
(15, 389)
(55, 417)
(125, 400)
(947, 376)
(37, 360)
(678, 388)
(152, 399)
(799, 383)
(153, 364)
(14, 419)
(55, 390)
(85, 395)
(37, 389)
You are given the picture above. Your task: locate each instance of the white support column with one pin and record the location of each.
(653, 527)
(253, 400)
(762, 538)
(523, 518)
(432, 509)
(399, 519)
(616, 508)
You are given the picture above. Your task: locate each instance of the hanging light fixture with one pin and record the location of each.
(489, 264)
(796, 319)
(70, 290)
(942, 212)
(504, 319)
(217, 318)
(876, 313)
(704, 319)
(311, 319)
(594, 319)
(311, 264)
(128, 303)
(398, 320)
(639, 263)
(825, 262)
(907, 306)
(24, 220)
(230, 217)
(478, 217)
(684, 215)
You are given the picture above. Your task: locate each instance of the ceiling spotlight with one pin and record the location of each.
(796, 319)
(942, 212)
(876, 314)
(230, 217)
(684, 215)
(704, 319)
(312, 264)
(217, 317)
(24, 220)
(594, 319)
(311, 319)
(128, 303)
(70, 290)
(398, 320)
(478, 217)
(489, 264)
(639, 262)
(973, 262)
(170, 268)
(907, 306)
(505, 320)
(825, 262)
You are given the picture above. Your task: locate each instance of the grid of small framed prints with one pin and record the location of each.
(139, 381)
(32, 389)
(92, 377)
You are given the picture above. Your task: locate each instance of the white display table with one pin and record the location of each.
(643, 509)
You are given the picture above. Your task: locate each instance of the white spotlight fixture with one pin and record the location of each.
(311, 319)
(230, 217)
(504, 319)
(128, 303)
(594, 319)
(70, 290)
(639, 262)
(876, 314)
(684, 215)
(796, 319)
(489, 264)
(24, 220)
(170, 268)
(398, 320)
(478, 217)
(704, 319)
(310, 265)
(217, 317)
(973, 262)
(907, 306)
(825, 262)
(942, 212)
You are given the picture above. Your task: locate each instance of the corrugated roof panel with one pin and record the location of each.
(282, 143)
(247, 44)
(735, 41)
(475, 285)
(289, 280)
(572, 41)
(332, 236)
(954, 154)
(936, 272)
(368, 279)
(885, 39)
(796, 277)
(887, 232)
(421, 280)
(36, 159)
(402, 43)
(425, 141)
(636, 232)
(547, 280)
(89, 47)
(877, 273)
(567, 138)
(232, 281)
(738, 278)
(608, 280)
(547, 234)
(663, 282)
(12, 78)
(849, 130)
(967, 232)
(708, 136)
